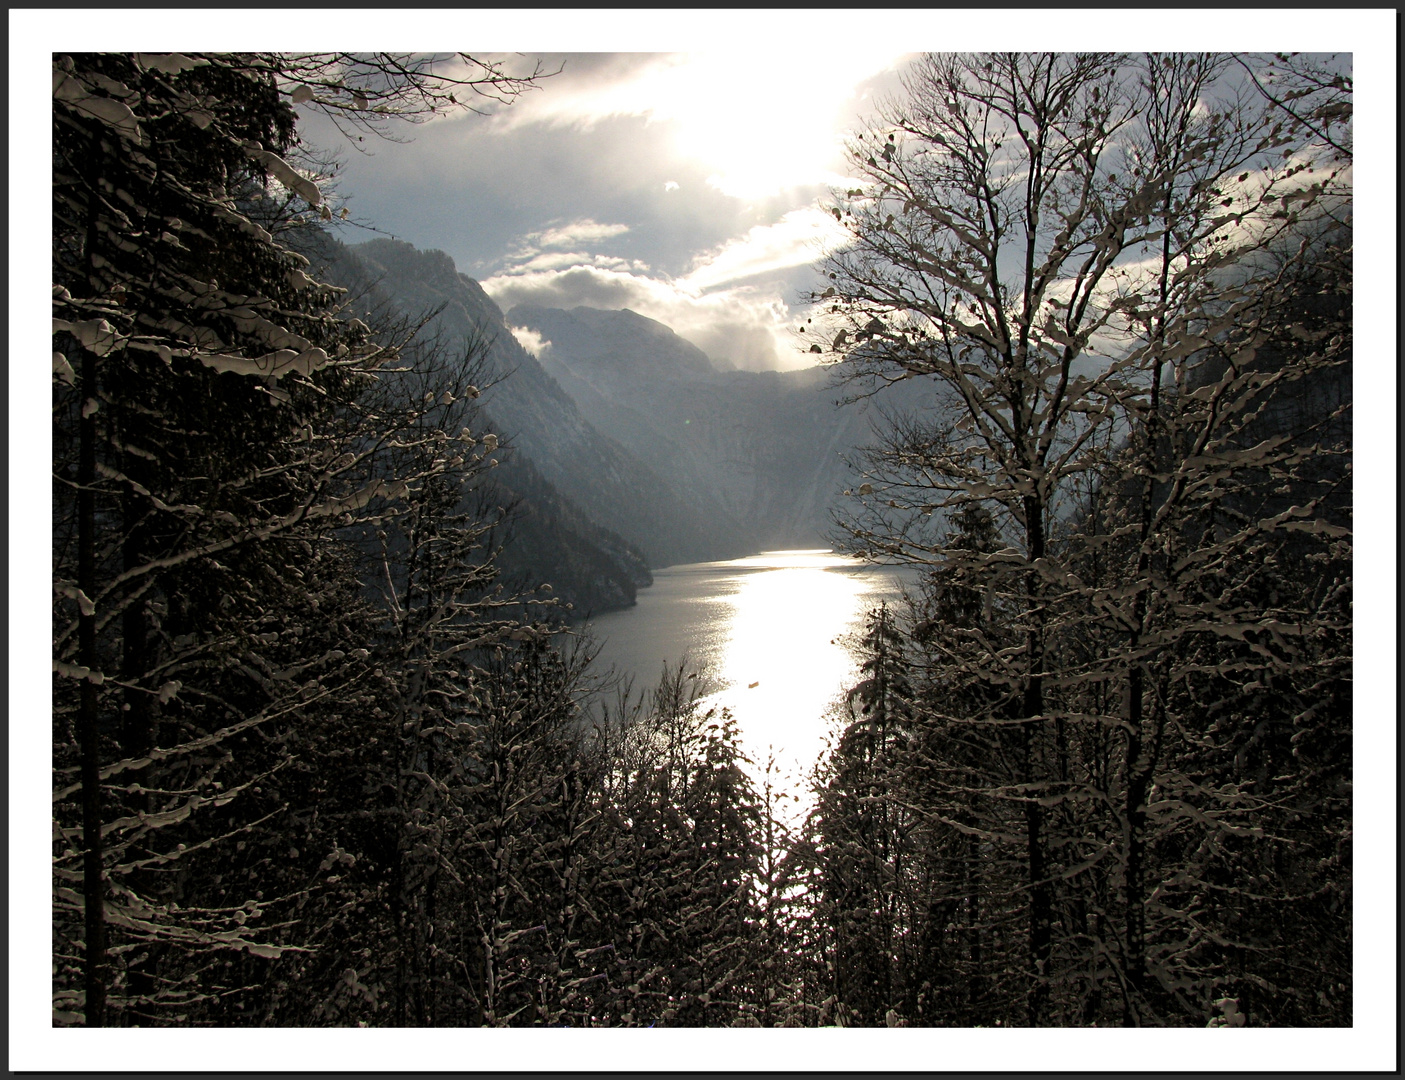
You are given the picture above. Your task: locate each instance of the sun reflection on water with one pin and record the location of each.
(771, 631)
(785, 662)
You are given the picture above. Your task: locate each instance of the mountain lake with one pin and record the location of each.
(772, 635)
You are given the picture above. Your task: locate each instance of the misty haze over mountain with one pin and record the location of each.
(631, 449)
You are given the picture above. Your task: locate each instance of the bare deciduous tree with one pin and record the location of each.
(1094, 260)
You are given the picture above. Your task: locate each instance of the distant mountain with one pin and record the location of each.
(631, 450)
(616, 345)
(768, 446)
(594, 479)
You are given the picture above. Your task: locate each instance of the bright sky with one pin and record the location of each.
(682, 185)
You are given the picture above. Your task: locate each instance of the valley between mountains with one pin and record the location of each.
(628, 448)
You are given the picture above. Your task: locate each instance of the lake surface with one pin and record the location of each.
(772, 633)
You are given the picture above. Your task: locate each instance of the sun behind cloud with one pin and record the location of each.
(759, 126)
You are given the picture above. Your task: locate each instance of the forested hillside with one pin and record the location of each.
(323, 755)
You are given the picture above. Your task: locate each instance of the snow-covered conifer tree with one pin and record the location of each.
(200, 462)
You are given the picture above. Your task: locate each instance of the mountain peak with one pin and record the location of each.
(618, 342)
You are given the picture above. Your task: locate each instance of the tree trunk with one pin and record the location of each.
(1040, 899)
(95, 945)
(1138, 760)
(1134, 842)
(138, 726)
(971, 882)
(1040, 905)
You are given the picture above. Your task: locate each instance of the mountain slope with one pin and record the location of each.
(768, 446)
(614, 488)
(547, 539)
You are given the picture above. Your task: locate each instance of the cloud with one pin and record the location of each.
(479, 193)
(535, 251)
(759, 126)
(617, 185)
(732, 303)
(530, 340)
(799, 238)
(583, 231)
(579, 286)
(594, 164)
(560, 260)
(746, 326)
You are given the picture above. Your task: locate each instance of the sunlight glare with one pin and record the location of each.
(786, 660)
(761, 123)
(764, 126)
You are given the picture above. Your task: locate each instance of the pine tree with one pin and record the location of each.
(204, 456)
(161, 511)
(676, 858)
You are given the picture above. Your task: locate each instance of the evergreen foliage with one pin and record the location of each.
(316, 765)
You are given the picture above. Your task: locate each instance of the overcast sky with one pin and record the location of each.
(686, 186)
